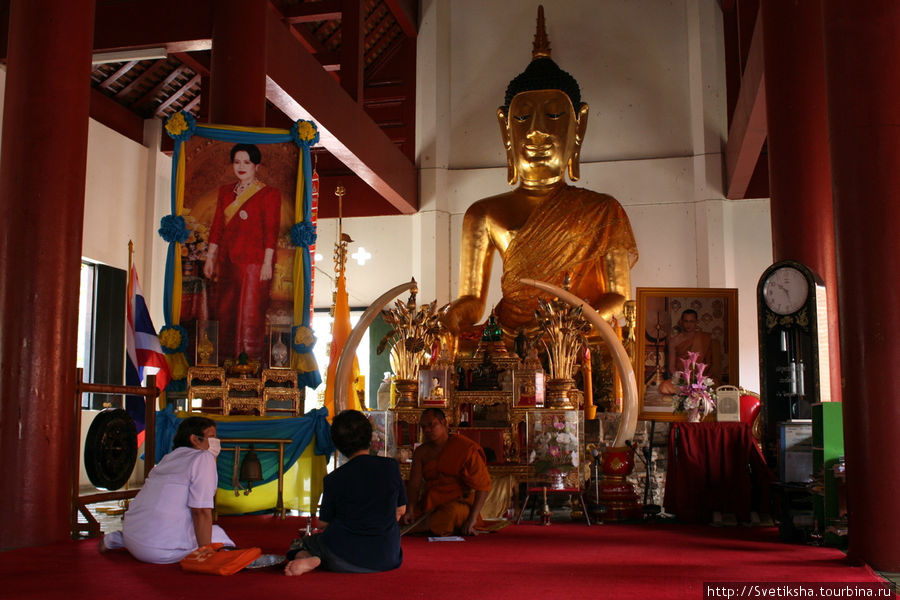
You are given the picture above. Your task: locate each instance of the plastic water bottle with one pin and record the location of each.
(384, 393)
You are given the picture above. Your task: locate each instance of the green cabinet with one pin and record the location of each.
(828, 452)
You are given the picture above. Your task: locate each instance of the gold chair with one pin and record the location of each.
(206, 384)
(244, 396)
(280, 385)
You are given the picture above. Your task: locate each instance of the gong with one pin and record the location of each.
(110, 449)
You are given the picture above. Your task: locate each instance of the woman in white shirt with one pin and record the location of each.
(172, 514)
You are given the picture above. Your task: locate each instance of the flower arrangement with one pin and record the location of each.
(181, 125)
(563, 334)
(413, 333)
(173, 338)
(305, 131)
(694, 391)
(554, 445)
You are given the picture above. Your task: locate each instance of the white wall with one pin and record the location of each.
(123, 183)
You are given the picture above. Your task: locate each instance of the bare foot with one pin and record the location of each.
(101, 546)
(299, 566)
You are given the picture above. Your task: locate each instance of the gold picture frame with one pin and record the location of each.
(433, 390)
(660, 338)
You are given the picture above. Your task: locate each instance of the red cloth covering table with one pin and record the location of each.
(715, 467)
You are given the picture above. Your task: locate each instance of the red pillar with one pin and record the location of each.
(862, 59)
(799, 164)
(42, 178)
(238, 63)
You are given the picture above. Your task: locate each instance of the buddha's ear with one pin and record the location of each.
(581, 119)
(502, 118)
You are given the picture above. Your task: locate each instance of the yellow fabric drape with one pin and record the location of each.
(302, 488)
(339, 334)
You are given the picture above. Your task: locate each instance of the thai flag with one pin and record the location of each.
(145, 355)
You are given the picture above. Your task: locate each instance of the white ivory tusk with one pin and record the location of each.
(622, 362)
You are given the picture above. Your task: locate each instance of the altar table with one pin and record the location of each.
(715, 467)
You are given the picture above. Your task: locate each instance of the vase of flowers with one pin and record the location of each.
(553, 446)
(563, 333)
(413, 334)
(694, 393)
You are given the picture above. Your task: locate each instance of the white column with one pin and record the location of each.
(431, 225)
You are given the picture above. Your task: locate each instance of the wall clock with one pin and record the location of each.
(793, 346)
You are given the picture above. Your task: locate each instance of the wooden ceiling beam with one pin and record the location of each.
(313, 12)
(747, 133)
(177, 25)
(195, 80)
(107, 111)
(328, 59)
(353, 28)
(298, 86)
(406, 13)
(194, 62)
(151, 95)
(115, 76)
(140, 78)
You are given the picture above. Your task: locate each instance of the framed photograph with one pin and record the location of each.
(672, 322)
(433, 391)
(280, 347)
(528, 388)
(206, 343)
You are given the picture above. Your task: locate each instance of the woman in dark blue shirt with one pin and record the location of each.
(361, 504)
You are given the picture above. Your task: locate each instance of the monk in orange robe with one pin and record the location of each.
(453, 472)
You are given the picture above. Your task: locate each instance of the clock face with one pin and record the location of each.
(785, 290)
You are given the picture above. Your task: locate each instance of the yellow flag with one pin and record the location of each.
(339, 333)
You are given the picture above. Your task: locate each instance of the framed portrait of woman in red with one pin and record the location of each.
(242, 239)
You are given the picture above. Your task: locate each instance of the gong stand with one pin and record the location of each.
(80, 503)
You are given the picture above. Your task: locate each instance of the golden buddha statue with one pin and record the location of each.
(544, 229)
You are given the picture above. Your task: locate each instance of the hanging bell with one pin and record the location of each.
(251, 469)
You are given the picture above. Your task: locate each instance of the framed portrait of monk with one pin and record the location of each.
(699, 325)
(242, 238)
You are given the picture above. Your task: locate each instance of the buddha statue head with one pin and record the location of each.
(543, 120)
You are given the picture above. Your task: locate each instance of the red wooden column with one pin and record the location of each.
(238, 63)
(862, 59)
(799, 164)
(42, 178)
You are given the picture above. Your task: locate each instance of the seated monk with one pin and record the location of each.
(453, 471)
(544, 229)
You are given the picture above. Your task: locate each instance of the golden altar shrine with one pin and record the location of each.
(496, 417)
(220, 390)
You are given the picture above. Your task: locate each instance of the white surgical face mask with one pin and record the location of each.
(215, 446)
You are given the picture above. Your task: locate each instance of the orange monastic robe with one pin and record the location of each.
(450, 482)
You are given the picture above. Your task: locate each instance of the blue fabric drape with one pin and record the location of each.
(302, 430)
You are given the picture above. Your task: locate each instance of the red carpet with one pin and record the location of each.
(563, 561)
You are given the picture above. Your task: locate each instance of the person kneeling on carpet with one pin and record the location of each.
(172, 514)
(361, 504)
(455, 477)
